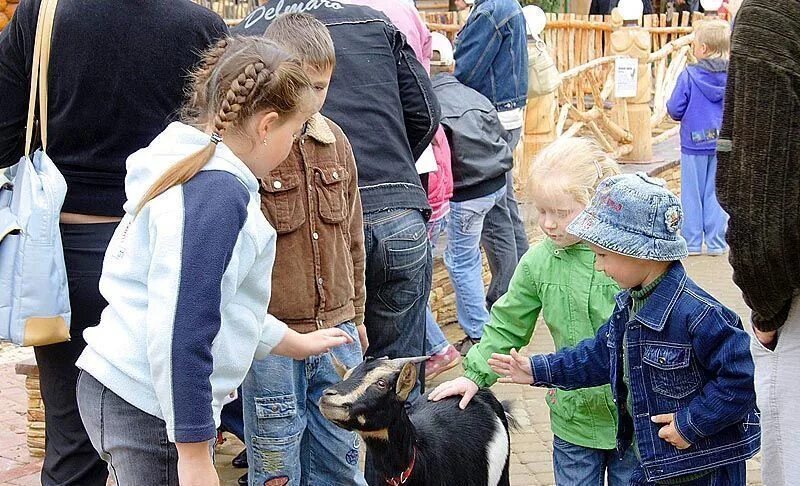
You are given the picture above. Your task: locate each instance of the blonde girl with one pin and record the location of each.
(187, 272)
(556, 278)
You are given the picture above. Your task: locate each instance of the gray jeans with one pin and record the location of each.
(132, 442)
(777, 395)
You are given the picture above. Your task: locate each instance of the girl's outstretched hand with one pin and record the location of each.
(512, 369)
(460, 386)
(300, 346)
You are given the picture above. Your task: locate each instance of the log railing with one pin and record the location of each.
(586, 103)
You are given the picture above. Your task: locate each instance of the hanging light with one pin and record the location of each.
(535, 20)
(631, 10)
(711, 6)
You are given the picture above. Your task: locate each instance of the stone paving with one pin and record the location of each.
(531, 463)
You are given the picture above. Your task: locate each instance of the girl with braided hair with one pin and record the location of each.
(187, 272)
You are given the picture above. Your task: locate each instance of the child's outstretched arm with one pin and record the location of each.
(723, 349)
(586, 365)
(513, 320)
(679, 100)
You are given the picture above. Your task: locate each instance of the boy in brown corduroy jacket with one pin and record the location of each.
(313, 202)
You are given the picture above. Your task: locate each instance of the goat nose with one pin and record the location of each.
(330, 392)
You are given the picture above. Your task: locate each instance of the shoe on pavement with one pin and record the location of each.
(439, 363)
(466, 344)
(242, 481)
(240, 461)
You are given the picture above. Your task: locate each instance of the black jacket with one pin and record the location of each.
(380, 96)
(117, 77)
(479, 145)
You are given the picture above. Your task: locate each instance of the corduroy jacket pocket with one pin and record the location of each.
(280, 198)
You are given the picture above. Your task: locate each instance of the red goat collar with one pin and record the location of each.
(403, 477)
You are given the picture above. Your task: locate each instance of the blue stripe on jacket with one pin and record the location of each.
(215, 210)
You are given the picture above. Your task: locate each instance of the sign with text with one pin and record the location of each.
(626, 75)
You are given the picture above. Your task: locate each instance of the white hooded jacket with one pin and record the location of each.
(187, 281)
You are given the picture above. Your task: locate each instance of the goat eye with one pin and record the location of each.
(381, 383)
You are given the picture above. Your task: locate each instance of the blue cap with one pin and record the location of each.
(633, 215)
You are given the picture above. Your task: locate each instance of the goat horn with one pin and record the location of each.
(400, 362)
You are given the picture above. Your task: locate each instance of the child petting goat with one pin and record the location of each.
(408, 446)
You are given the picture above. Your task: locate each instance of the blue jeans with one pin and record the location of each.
(463, 259)
(435, 341)
(574, 464)
(287, 436)
(504, 238)
(731, 475)
(398, 280)
(704, 217)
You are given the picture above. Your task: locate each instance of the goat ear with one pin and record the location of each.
(406, 380)
(339, 367)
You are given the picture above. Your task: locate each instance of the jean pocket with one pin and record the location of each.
(672, 372)
(405, 255)
(277, 415)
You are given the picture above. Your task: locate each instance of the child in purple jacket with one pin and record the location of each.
(697, 103)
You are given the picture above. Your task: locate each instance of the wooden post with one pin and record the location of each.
(633, 41)
(540, 130)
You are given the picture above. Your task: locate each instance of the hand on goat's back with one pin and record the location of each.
(459, 387)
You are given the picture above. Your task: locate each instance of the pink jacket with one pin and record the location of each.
(440, 183)
(407, 20)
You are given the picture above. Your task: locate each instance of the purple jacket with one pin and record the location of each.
(696, 102)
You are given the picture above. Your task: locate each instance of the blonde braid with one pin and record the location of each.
(202, 75)
(242, 90)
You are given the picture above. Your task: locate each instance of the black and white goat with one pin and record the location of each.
(438, 444)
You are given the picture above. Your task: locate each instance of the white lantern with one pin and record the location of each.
(631, 9)
(711, 5)
(535, 19)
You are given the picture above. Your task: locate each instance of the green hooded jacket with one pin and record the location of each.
(575, 301)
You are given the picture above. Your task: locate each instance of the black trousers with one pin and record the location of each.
(70, 458)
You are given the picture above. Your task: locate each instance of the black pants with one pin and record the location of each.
(70, 458)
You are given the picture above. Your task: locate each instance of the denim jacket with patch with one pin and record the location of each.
(491, 53)
(688, 355)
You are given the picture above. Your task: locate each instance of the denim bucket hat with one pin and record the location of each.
(634, 215)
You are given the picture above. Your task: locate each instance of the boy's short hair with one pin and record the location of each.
(306, 37)
(715, 34)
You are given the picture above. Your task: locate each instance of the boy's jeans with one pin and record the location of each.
(704, 217)
(504, 237)
(730, 475)
(574, 464)
(463, 258)
(777, 394)
(435, 341)
(287, 436)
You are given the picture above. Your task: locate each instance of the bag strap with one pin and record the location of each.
(39, 71)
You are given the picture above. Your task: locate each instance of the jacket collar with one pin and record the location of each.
(317, 128)
(558, 251)
(661, 302)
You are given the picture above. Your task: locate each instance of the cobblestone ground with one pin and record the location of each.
(531, 463)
